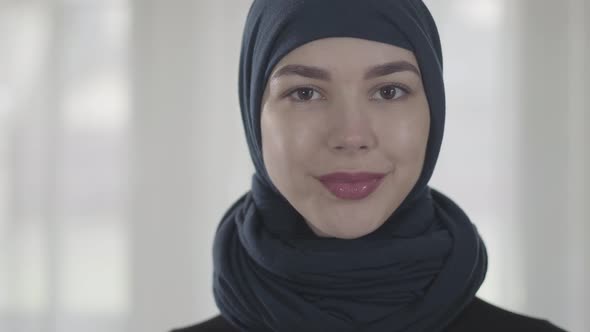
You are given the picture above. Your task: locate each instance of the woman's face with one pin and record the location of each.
(333, 109)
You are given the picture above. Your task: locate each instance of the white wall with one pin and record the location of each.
(189, 155)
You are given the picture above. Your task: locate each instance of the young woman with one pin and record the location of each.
(343, 106)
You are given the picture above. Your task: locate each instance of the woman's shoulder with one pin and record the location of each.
(214, 324)
(479, 316)
(483, 316)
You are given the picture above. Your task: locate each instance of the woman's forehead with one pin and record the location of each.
(353, 54)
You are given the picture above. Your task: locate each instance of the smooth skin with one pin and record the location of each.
(329, 106)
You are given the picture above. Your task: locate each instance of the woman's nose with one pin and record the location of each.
(351, 130)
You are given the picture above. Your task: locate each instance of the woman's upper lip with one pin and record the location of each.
(350, 177)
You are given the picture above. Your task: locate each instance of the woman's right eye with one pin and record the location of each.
(304, 94)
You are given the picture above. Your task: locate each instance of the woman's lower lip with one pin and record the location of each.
(352, 190)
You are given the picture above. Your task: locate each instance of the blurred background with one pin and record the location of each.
(121, 146)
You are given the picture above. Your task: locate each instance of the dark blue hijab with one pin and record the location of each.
(271, 273)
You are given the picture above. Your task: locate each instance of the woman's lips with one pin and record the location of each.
(353, 186)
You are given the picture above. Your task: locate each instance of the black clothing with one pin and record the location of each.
(478, 316)
(271, 272)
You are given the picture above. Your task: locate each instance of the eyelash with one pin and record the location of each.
(406, 90)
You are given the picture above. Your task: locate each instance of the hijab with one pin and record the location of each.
(416, 272)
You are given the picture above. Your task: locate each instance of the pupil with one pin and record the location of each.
(388, 92)
(305, 94)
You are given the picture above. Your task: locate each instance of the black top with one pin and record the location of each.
(478, 316)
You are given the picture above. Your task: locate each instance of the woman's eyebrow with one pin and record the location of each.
(302, 70)
(390, 68)
(324, 75)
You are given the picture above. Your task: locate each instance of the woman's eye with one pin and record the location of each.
(305, 94)
(391, 92)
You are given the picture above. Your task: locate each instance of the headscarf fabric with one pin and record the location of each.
(416, 272)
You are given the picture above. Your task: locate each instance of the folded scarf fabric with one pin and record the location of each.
(414, 273)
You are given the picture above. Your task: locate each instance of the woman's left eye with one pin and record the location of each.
(390, 92)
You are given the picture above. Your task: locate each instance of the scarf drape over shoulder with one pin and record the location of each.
(271, 273)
